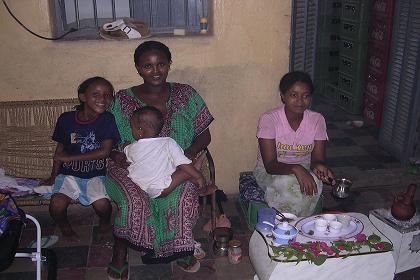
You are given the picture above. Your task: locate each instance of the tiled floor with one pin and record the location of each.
(351, 152)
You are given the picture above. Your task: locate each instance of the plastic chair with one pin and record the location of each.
(9, 242)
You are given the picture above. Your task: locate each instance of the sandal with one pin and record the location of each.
(121, 272)
(46, 241)
(124, 29)
(199, 253)
(185, 265)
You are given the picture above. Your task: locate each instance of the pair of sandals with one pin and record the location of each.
(123, 272)
(125, 29)
(184, 264)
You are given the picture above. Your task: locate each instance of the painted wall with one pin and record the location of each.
(236, 70)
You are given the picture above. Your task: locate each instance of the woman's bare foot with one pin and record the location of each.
(209, 189)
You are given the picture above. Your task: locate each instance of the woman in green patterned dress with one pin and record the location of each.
(162, 227)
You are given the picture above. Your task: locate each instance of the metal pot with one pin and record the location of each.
(341, 189)
(222, 236)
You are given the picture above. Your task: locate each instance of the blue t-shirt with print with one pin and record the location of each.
(79, 137)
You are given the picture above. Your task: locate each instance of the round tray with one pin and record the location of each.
(306, 228)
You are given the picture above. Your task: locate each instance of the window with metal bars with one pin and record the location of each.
(162, 16)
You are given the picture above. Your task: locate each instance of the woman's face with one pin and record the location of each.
(297, 98)
(153, 66)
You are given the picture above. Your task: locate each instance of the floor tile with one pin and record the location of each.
(366, 140)
(71, 273)
(151, 272)
(84, 233)
(366, 162)
(207, 272)
(379, 154)
(228, 271)
(342, 142)
(339, 162)
(71, 257)
(99, 256)
(345, 151)
(18, 276)
(96, 273)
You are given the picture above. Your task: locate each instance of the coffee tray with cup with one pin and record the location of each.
(330, 227)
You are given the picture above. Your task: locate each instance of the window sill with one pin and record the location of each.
(93, 34)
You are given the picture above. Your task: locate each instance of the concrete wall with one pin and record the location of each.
(236, 70)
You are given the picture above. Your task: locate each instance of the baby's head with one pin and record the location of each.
(146, 122)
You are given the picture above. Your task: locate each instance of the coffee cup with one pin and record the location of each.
(344, 219)
(329, 217)
(320, 225)
(335, 227)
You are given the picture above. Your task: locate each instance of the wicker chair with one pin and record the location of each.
(26, 148)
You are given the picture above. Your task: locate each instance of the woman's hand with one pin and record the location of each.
(322, 172)
(119, 158)
(306, 182)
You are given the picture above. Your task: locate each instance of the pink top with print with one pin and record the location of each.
(293, 147)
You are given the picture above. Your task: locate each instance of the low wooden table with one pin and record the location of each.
(362, 265)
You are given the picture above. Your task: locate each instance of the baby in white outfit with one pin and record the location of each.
(157, 163)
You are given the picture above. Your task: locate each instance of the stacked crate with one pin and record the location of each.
(326, 74)
(353, 52)
(378, 51)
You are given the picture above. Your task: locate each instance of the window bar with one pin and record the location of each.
(131, 5)
(150, 13)
(186, 15)
(76, 11)
(63, 15)
(169, 13)
(113, 10)
(95, 13)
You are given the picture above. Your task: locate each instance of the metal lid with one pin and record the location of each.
(235, 243)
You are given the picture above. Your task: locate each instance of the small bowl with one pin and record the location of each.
(284, 232)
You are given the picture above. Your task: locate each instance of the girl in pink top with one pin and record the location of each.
(291, 160)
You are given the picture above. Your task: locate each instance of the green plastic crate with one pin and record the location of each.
(355, 31)
(330, 7)
(356, 10)
(250, 210)
(349, 103)
(331, 92)
(353, 85)
(351, 48)
(353, 68)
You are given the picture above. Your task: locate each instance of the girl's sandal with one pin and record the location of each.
(122, 272)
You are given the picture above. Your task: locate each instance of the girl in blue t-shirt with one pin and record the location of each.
(85, 138)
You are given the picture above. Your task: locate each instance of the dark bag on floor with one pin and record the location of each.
(11, 224)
